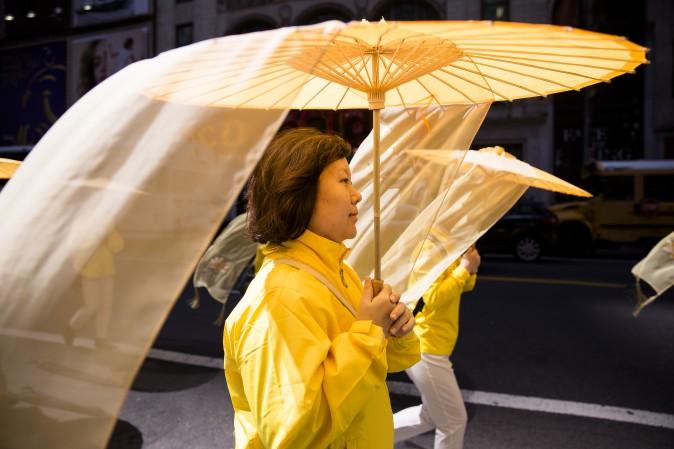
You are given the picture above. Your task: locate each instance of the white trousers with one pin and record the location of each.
(441, 406)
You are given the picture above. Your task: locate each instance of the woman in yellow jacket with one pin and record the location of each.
(308, 347)
(437, 326)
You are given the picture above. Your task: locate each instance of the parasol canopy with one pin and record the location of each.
(8, 167)
(373, 65)
(503, 164)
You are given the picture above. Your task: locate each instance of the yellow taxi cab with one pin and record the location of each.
(634, 200)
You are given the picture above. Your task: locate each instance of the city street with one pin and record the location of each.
(549, 356)
(133, 132)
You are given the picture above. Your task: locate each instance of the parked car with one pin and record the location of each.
(634, 201)
(528, 230)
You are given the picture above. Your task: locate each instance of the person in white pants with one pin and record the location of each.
(442, 406)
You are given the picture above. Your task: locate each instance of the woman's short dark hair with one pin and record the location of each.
(282, 190)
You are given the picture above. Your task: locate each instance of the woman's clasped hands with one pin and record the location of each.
(385, 310)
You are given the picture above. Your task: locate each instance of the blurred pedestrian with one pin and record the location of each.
(437, 326)
(97, 271)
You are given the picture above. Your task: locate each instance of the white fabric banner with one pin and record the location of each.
(102, 226)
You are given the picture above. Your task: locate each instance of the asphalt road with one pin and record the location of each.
(549, 356)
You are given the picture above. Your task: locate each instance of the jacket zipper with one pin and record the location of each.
(341, 273)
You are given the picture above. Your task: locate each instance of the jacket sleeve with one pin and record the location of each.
(402, 352)
(304, 389)
(470, 283)
(446, 288)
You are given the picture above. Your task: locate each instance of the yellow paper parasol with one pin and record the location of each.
(335, 65)
(8, 167)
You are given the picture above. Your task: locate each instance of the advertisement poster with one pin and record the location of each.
(94, 58)
(96, 12)
(32, 88)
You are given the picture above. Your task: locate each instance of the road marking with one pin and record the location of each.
(552, 281)
(535, 404)
(31, 335)
(51, 337)
(544, 405)
(189, 359)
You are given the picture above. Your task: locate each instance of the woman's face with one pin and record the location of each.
(335, 212)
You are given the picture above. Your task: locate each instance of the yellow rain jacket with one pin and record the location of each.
(302, 372)
(438, 323)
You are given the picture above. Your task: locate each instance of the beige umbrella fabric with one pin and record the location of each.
(104, 223)
(435, 203)
(8, 167)
(504, 165)
(374, 65)
(656, 269)
(406, 188)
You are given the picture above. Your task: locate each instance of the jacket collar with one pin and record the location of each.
(330, 252)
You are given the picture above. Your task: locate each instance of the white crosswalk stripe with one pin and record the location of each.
(534, 404)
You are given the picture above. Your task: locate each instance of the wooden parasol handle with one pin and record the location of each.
(377, 285)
